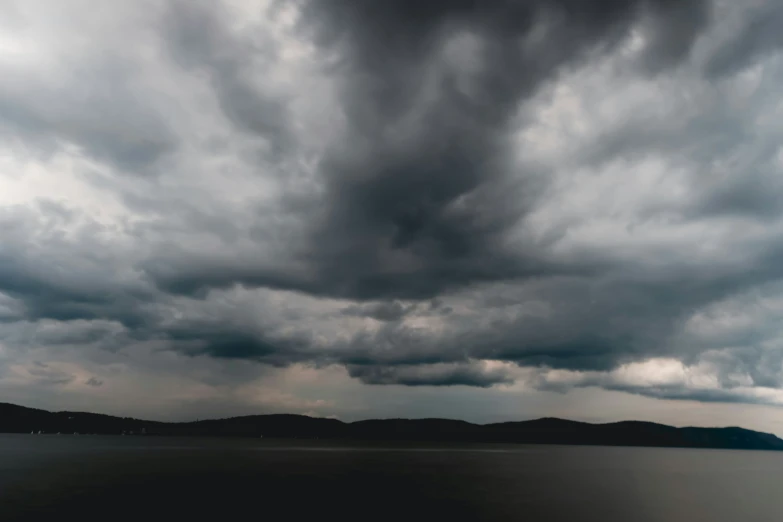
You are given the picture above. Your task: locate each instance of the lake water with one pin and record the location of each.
(147, 479)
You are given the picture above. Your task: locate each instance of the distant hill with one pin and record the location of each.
(18, 419)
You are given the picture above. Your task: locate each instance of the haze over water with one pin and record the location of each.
(149, 478)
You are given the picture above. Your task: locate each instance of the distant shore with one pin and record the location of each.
(19, 419)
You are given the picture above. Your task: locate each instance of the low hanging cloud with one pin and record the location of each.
(92, 381)
(481, 375)
(448, 193)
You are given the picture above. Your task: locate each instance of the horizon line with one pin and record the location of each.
(390, 419)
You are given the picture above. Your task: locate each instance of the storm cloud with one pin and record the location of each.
(550, 194)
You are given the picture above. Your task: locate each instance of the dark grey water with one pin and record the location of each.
(147, 479)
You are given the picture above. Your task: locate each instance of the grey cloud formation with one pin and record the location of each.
(198, 37)
(225, 344)
(383, 311)
(758, 35)
(418, 196)
(44, 375)
(64, 279)
(442, 374)
(87, 100)
(423, 181)
(444, 193)
(92, 381)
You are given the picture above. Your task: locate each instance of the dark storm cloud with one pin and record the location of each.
(465, 374)
(422, 178)
(420, 209)
(591, 324)
(95, 383)
(28, 273)
(48, 295)
(225, 342)
(418, 197)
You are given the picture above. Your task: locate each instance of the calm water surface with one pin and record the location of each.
(147, 479)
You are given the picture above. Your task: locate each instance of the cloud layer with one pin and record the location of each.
(551, 194)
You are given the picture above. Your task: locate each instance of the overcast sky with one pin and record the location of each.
(487, 210)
